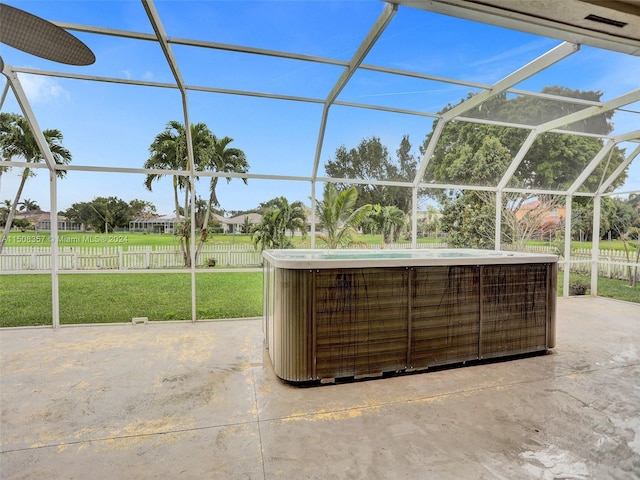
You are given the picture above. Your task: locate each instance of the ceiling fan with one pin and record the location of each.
(39, 37)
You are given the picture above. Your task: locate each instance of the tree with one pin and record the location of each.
(28, 205)
(431, 222)
(141, 209)
(371, 161)
(247, 225)
(620, 222)
(525, 217)
(616, 217)
(17, 140)
(102, 214)
(168, 151)
(269, 233)
(479, 154)
(4, 211)
(278, 218)
(469, 216)
(469, 220)
(225, 159)
(388, 221)
(634, 202)
(339, 216)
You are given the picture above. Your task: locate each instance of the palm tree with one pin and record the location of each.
(4, 211)
(297, 218)
(246, 225)
(339, 217)
(220, 158)
(388, 220)
(169, 152)
(17, 140)
(29, 205)
(271, 232)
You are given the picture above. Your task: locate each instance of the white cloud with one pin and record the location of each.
(513, 54)
(40, 89)
(620, 75)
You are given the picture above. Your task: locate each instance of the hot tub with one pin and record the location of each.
(331, 314)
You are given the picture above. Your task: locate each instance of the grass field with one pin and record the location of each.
(126, 239)
(25, 300)
(607, 287)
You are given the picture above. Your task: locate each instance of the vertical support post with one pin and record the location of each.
(411, 276)
(567, 246)
(53, 200)
(314, 338)
(414, 217)
(480, 270)
(313, 214)
(192, 199)
(498, 243)
(595, 245)
(552, 287)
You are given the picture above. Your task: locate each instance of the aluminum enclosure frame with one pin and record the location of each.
(389, 9)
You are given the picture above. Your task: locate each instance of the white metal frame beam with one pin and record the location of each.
(369, 41)
(608, 147)
(551, 57)
(551, 125)
(43, 146)
(308, 58)
(349, 68)
(162, 37)
(627, 161)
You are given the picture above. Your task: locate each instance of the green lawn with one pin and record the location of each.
(604, 245)
(607, 287)
(92, 239)
(106, 298)
(126, 239)
(25, 300)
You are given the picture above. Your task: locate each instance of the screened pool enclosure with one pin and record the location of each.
(293, 82)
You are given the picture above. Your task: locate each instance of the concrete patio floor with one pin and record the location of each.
(200, 400)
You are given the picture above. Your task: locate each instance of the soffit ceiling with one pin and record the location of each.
(609, 24)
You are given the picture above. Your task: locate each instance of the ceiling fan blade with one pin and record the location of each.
(39, 37)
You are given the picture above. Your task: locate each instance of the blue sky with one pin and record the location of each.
(107, 124)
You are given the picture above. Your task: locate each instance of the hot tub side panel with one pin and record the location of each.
(361, 321)
(290, 327)
(552, 295)
(445, 315)
(514, 308)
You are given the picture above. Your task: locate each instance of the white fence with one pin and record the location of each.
(117, 258)
(611, 263)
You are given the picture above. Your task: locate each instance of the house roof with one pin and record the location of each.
(35, 216)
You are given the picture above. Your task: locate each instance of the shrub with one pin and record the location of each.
(578, 287)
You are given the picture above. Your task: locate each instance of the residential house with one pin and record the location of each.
(42, 221)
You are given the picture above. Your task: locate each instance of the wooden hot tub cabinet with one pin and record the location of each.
(335, 314)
